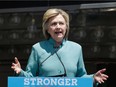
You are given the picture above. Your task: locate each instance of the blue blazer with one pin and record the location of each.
(47, 60)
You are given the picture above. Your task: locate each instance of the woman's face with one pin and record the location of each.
(57, 27)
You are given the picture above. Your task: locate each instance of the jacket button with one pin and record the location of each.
(59, 71)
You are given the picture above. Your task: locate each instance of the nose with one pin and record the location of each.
(58, 25)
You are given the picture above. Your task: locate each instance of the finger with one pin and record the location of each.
(15, 69)
(103, 78)
(12, 67)
(17, 72)
(102, 81)
(16, 60)
(13, 64)
(104, 75)
(103, 70)
(99, 81)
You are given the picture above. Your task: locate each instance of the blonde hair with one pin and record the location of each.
(52, 13)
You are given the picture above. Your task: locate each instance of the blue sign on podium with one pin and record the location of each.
(49, 82)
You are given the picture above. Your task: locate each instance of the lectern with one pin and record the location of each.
(49, 82)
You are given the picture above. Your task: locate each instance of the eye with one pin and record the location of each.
(53, 24)
(61, 23)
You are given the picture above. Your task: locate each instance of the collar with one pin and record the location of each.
(53, 42)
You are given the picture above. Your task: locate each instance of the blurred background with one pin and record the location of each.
(92, 25)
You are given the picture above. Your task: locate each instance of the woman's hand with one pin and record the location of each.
(16, 66)
(100, 77)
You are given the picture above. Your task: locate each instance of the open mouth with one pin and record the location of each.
(59, 32)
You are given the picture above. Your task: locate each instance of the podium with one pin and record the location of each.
(49, 82)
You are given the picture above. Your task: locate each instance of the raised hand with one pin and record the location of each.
(100, 77)
(16, 66)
